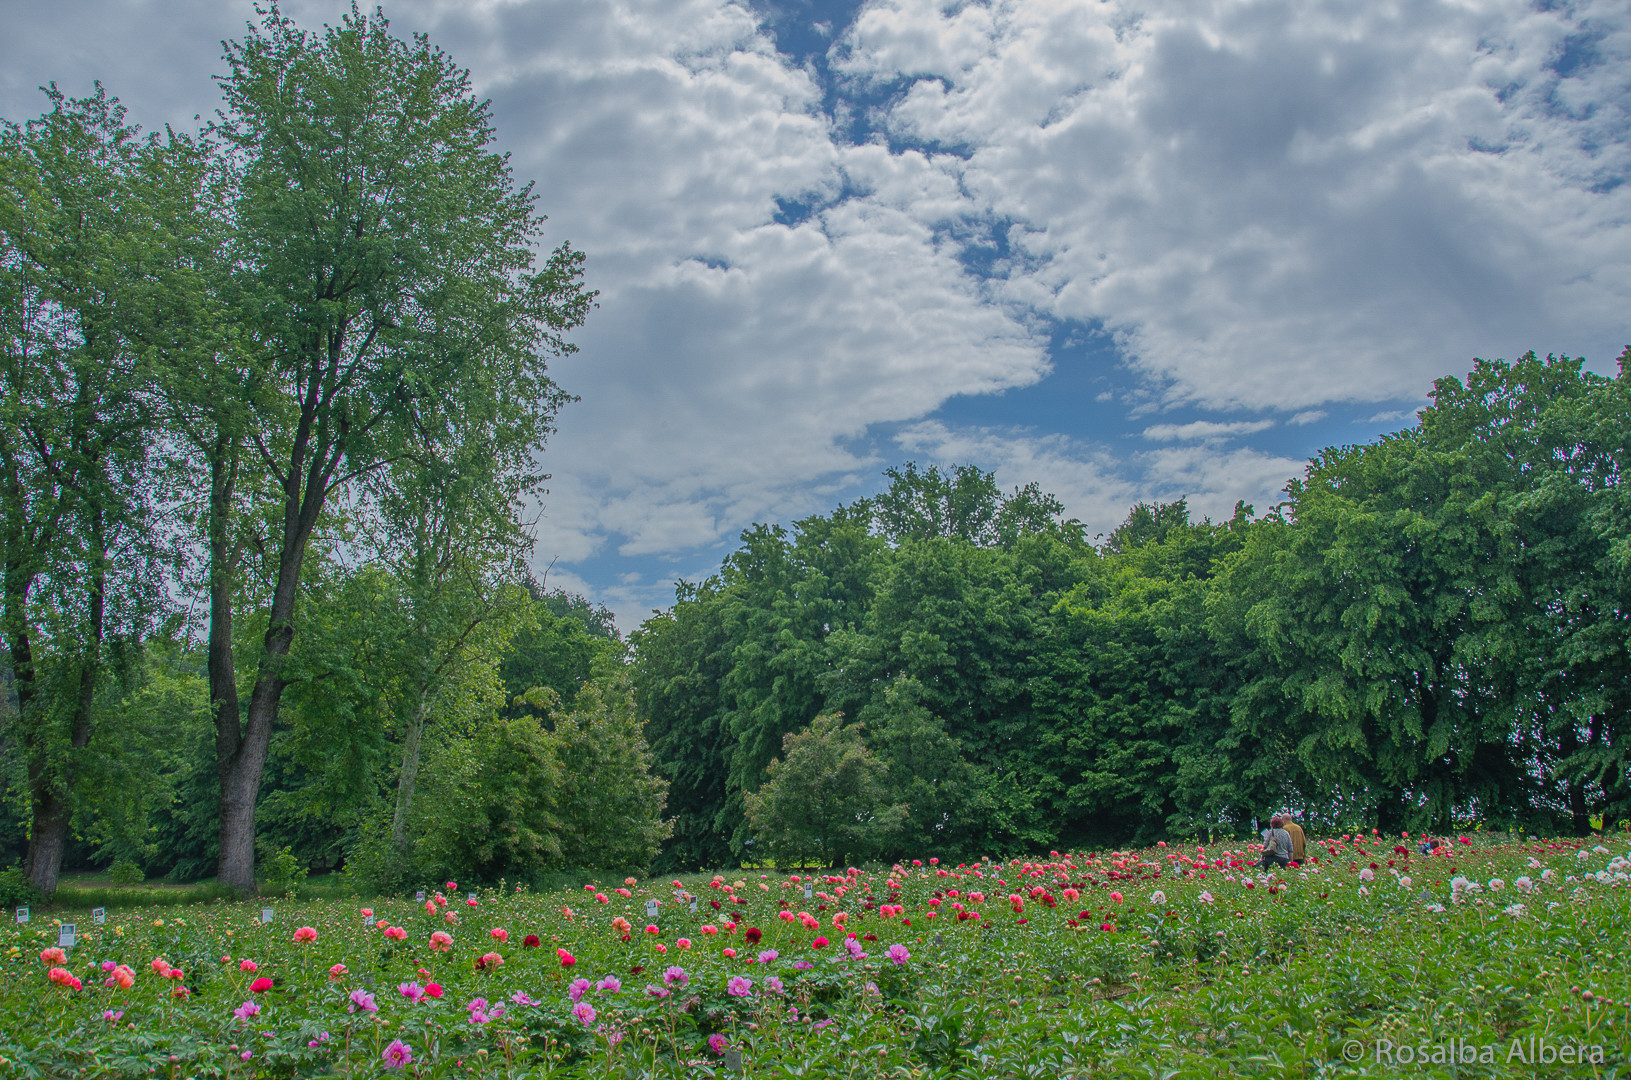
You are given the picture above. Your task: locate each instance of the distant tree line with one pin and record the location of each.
(1433, 630)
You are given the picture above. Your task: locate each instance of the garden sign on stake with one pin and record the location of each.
(22, 914)
(99, 915)
(266, 915)
(66, 936)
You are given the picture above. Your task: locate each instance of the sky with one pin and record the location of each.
(1126, 249)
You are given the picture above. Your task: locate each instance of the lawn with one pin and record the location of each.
(1373, 959)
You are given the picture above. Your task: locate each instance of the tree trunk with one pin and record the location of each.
(240, 773)
(223, 679)
(410, 772)
(51, 792)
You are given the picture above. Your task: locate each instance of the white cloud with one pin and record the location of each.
(1308, 416)
(1205, 430)
(1287, 202)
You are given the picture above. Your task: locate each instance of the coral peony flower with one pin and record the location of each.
(396, 933)
(498, 933)
(248, 965)
(305, 934)
(53, 955)
(441, 941)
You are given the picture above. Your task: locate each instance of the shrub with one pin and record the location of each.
(282, 874)
(125, 872)
(15, 890)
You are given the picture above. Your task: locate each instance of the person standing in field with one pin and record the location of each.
(1276, 844)
(1299, 842)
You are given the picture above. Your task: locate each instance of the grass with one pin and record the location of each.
(84, 892)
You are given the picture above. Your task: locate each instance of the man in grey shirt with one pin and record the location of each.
(1276, 844)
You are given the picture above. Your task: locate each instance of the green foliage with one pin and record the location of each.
(824, 802)
(609, 804)
(282, 874)
(126, 872)
(16, 890)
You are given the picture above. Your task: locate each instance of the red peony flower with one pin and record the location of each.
(530, 941)
(260, 985)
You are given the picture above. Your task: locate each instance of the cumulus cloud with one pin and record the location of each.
(1271, 206)
(1284, 203)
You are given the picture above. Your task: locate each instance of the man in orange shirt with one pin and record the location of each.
(1299, 842)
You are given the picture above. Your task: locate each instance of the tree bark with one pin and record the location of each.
(410, 772)
(223, 678)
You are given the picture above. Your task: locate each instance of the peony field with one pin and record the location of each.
(1377, 956)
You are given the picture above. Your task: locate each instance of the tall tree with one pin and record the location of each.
(384, 267)
(74, 432)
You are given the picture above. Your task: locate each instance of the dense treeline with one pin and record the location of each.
(1434, 628)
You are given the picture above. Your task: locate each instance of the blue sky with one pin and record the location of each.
(1127, 249)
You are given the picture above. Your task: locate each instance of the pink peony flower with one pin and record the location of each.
(397, 1055)
(260, 985)
(304, 934)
